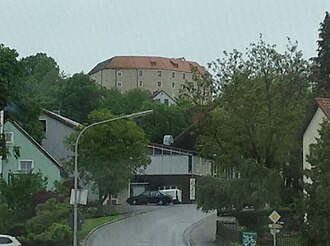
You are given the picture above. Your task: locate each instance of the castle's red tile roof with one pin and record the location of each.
(148, 62)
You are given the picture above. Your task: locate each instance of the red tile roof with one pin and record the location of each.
(148, 62)
(324, 104)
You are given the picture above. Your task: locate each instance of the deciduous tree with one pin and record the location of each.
(109, 154)
(263, 95)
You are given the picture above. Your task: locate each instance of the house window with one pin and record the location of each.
(189, 164)
(140, 73)
(119, 74)
(184, 76)
(43, 125)
(173, 74)
(159, 73)
(166, 102)
(9, 137)
(119, 84)
(159, 83)
(25, 166)
(140, 83)
(173, 84)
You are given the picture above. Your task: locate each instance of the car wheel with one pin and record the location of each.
(134, 202)
(160, 202)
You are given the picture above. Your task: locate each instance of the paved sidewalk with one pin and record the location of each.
(203, 232)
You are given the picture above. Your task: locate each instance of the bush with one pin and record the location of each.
(56, 234)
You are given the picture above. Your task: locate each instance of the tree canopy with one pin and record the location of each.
(261, 104)
(321, 67)
(317, 195)
(110, 153)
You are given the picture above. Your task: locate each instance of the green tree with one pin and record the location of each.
(316, 205)
(262, 100)
(78, 96)
(109, 154)
(16, 197)
(166, 120)
(49, 226)
(42, 79)
(10, 70)
(322, 61)
(200, 90)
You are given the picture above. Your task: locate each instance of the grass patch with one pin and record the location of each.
(90, 224)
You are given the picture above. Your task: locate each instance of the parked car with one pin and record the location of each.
(176, 194)
(7, 240)
(150, 197)
(227, 211)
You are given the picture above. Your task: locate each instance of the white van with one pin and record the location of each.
(176, 194)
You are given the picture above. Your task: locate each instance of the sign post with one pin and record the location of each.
(274, 228)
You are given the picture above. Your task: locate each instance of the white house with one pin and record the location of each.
(319, 113)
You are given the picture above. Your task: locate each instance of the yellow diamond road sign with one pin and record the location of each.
(274, 216)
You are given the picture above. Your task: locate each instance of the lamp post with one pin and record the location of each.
(75, 173)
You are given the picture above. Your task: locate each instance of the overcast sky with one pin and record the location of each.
(80, 33)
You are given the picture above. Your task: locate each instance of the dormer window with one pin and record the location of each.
(153, 62)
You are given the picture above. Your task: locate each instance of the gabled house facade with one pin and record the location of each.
(319, 113)
(56, 129)
(33, 158)
(162, 97)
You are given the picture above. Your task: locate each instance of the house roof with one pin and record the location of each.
(319, 102)
(156, 93)
(324, 104)
(35, 143)
(60, 118)
(186, 139)
(148, 62)
(171, 149)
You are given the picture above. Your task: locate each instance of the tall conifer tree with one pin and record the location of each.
(322, 61)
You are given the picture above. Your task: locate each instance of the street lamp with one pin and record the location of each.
(75, 173)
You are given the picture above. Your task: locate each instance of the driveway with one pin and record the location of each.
(163, 226)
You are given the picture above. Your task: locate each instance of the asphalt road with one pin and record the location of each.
(161, 227)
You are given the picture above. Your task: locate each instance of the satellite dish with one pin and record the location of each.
(168, 140)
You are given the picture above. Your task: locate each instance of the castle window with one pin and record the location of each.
(159, 73)
(119, 84)
(159, 83)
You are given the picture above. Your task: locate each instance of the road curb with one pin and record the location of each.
(187, 233)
